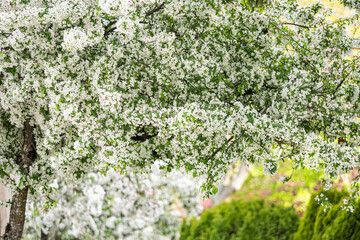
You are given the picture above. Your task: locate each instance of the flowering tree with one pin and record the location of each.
(354, 4)
(196, 84)
(116, 206)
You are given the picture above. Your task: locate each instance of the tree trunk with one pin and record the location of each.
(44, 236)
(15, 227)
(234, 184)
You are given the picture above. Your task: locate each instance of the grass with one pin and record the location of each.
(296, 192)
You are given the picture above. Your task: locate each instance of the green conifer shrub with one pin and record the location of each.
(334, 223)
(242, 220)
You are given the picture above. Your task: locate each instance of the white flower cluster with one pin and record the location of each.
(116, 206)
(75, 39)
(346, 206)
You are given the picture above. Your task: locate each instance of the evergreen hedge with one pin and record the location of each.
(332, 224)
(242, 220)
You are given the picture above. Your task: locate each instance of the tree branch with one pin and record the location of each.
(342, 81)
(298, 25)
(157, 8)
(218, 150)
(142, 135)
(6, 34)
(109, 30)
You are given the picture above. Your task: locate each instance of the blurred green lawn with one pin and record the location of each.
(295, 193)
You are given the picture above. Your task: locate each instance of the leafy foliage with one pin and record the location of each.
(242, 220)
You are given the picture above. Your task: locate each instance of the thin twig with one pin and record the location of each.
(298, 25)
(218, 150)
(157, 8)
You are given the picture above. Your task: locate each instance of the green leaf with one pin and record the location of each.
(214, 190)
(21, 182)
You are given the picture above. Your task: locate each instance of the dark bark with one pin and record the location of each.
(44, 236)
(15, 227)
(157, 8)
